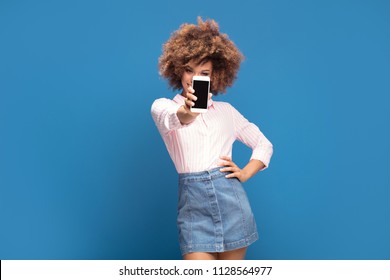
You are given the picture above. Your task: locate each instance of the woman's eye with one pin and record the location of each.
(188, 70)
(205, 74)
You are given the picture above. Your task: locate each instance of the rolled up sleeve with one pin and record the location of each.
(249, 134)
(164, 113)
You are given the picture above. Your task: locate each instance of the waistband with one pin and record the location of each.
(202, 175)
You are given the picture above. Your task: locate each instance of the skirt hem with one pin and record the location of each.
(219, 248)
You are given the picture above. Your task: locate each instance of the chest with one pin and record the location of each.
(211, 125)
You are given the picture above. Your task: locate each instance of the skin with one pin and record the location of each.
(238, 254)
(227, 165)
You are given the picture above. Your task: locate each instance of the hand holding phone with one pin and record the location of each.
(201, 86)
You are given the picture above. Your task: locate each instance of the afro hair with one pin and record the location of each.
(200, 43)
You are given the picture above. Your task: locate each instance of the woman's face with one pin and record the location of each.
(192, 69)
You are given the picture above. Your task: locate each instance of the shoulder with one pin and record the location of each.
(162, 102)
(161, 106)
(177, 99)
(221, 104)
(228, 110)
(224, 106)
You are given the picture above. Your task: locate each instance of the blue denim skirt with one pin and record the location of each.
(214, 214)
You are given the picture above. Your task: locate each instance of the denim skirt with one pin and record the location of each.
(214, 214)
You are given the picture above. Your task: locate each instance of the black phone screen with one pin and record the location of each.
(202, 93)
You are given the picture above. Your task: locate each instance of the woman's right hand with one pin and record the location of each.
(190, 101)
(184, 113)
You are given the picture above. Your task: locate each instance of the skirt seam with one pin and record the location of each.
(243, 221)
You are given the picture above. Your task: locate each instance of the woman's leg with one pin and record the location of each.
(238, 254)
(200, 256)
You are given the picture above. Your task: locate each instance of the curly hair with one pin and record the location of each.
(200, 44)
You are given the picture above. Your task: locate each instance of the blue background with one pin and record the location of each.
(84, 173)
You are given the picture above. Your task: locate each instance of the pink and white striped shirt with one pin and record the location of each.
(198, 146)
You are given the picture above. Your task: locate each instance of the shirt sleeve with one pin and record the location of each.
(249, 134)
(164, 115)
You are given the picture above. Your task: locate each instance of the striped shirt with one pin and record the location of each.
(198, 146)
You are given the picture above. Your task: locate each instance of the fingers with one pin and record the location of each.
(235, 171)
(227, 161)
(226, 158)
(233, 175)
(189, 103)
(191, 98)
(230, 166)
(230, 169)
(190, 94)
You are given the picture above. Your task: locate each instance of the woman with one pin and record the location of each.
(214, 220)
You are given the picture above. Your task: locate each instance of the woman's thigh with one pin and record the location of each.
(200, 256)
(238, 254)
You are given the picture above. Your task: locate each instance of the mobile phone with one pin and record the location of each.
(201, 85)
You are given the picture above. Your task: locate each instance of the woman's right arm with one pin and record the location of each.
(170, 116)
(164, 113)
(184, 113)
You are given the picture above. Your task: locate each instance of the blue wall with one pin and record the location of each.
(84, 173)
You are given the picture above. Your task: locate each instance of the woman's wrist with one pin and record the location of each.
(185, 115)
(252, 168)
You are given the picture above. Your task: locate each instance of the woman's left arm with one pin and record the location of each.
(262, 149)
(253, 166)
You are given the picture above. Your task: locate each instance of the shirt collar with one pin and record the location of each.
(180, 100)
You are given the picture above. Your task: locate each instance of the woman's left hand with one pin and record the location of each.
(230, 166)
